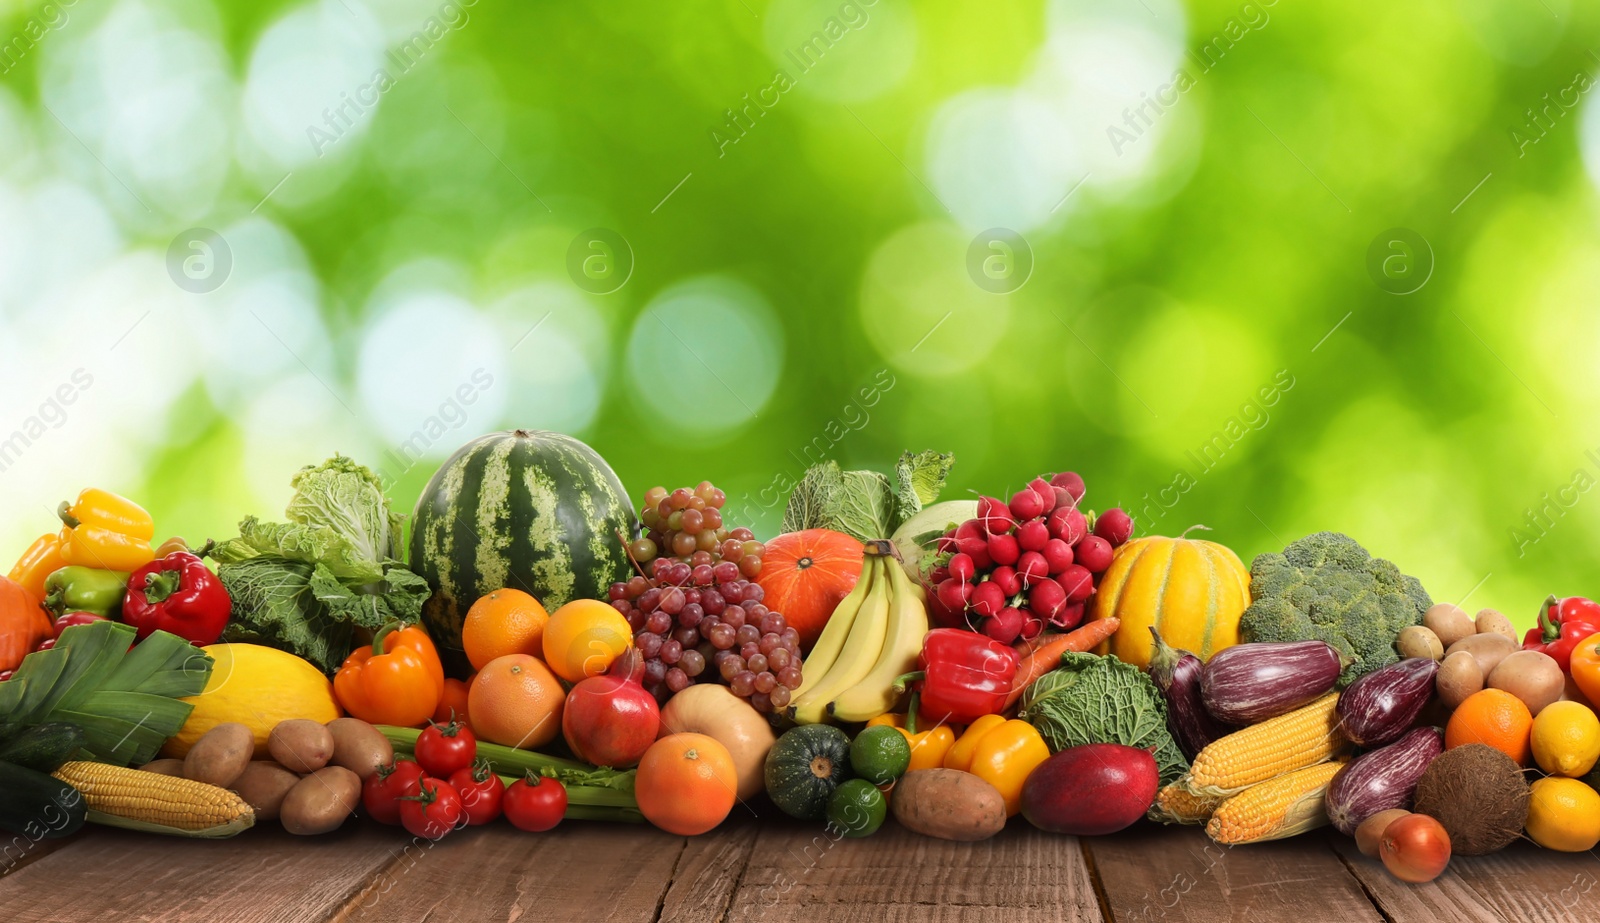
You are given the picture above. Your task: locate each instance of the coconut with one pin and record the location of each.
(1478, 795)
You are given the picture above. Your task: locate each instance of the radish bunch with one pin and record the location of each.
(1017, 567)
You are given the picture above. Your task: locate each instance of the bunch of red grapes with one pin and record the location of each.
(696, 610)
(1036, 561)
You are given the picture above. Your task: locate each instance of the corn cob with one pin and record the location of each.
(138, 800)
(1303, 737)
(1177, 804)
(1292, 803)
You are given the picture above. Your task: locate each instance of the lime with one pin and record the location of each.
(880, 754)
(857, 808)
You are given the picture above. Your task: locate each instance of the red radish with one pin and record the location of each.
(1071, 481)
(938, 575)
(960, 566)
(1070, 617)
(1068, 524)
(1008, 581)
(1025, 504)
(1063, 497)
(1033, 535)
(1003, 549)
(1090, 790)
(946, 543)
(1114, 525)
(1057, 554)
(1047, 598)
(972, 545)
(987, 600)
(1006, 626)
(1046, 492)
(1077, 581)
(954, 594)
(1094, 553)
(1031, 628)
(994, 516)
(1032, 568)
(610, 720)
(980, 557)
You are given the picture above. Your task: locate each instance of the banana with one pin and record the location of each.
(908, 623)
(860, 651)
(834, 633)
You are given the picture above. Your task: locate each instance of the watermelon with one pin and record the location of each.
(536, 511)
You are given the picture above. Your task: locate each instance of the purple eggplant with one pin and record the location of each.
(1382, 779)
(1177, 674)
(1382, 705)
(1253, 682)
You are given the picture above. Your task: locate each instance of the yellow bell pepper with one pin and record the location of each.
(105, 531)
(1001, 753)
(42, 559)
(928, 748)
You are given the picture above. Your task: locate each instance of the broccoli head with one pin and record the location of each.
(1325, 587)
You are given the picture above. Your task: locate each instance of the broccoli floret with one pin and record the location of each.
(1325, 587)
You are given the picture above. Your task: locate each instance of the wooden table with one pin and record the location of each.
(767, 869)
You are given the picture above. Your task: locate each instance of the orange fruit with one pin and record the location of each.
(583, 637)
(1493, 717)
(516, 701)
(503, 622)
(686, 783)
(453, 703)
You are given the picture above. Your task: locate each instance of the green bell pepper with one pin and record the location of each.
(75, 588)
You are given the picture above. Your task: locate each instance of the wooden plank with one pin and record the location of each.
(1150, 872)
(263, 875)
(1522, 883)
(576, 872)
(804, 873)
(708, 873)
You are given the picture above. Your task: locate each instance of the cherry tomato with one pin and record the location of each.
(480, 790)
(382, 791)
(45, 645)
(535, 804)
(74, 618)
(6, 674)
(433, 811)
(444, 748)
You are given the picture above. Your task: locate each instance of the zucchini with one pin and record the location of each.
(44, 747)
(38, 806)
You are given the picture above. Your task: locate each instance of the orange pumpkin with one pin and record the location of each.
(804, 576)
(1191, 591)
(23, 623)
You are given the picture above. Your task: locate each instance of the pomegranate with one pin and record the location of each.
(1090, 790)
(610, 720)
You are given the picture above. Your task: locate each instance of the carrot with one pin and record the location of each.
(1047, 656)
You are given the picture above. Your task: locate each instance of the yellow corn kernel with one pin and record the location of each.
(1178, 804)
(1292, 803)
(1303, 737)
(121, 797)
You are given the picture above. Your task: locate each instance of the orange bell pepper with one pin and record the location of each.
(1585, 667)
(398, 680)
(928, 748)
(1001, 753)
(105, 531)
(42, 559)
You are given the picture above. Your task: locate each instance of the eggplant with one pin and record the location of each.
(1382, 705)
(1382, 779)
(1177, 674)
(1248, 683)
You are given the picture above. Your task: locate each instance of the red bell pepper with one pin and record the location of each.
(178, 594)
(1562, 624)
(963, 675)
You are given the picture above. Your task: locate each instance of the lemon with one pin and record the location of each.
(1564, 814)
(1566, 739)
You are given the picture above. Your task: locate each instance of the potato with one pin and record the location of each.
(301, 745)
(948, 804)
(359, 747)
(1487, 649)
(320, 802)
(1491, 621)
(1532, 676)
(1417, 641)
(1371, 830)
(220, 755)
(1449, 622)
(165, 767)
(263, 785)
(1459, 676)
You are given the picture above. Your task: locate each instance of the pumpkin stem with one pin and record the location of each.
(1185, 532)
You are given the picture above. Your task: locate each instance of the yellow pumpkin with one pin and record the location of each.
(257, 687)
(1191, 591)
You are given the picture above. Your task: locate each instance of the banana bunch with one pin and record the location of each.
(872, 638)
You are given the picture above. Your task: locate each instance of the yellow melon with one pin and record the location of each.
(1191, 591)
(257, 687)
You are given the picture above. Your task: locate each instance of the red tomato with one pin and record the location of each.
(382, 791)
(70, 619)
(535, 805)
(480, 790)
(444, 748)
(433, 812)
(1415, 848)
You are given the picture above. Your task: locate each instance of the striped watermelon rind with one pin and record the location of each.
(536, 511)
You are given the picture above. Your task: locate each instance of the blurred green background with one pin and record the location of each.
(1185, 210)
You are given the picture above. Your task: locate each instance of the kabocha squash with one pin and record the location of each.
(805, 766)
(1189, 590)
(530, 510)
